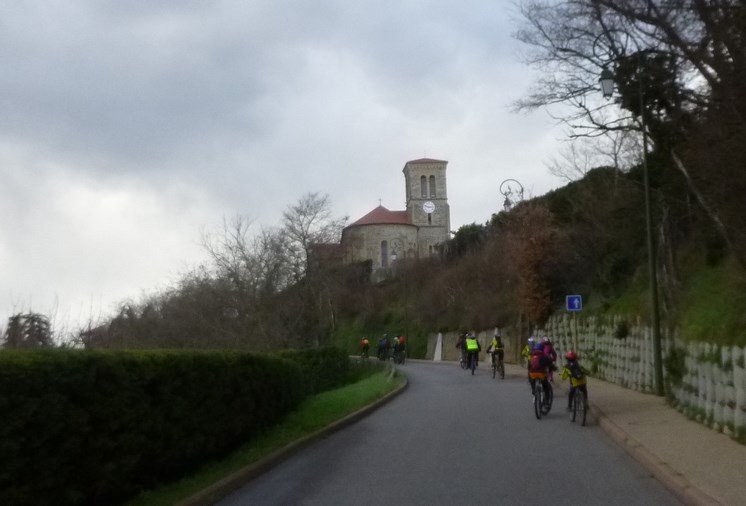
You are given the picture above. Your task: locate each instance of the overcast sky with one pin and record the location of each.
(129, 127)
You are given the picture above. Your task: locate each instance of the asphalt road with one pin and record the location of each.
(453, 438)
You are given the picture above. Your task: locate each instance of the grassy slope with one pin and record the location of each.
(315, 413)
(711, 306)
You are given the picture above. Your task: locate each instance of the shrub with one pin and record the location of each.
(97, 427)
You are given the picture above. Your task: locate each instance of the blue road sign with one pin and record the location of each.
(574, 302)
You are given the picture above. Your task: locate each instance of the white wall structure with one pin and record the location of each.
(704, 381)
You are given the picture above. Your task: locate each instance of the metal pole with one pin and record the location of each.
(406, 305)
(657, 355)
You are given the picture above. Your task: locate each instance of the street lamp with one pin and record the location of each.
(406, 311)
(607, 89)
(508, 187)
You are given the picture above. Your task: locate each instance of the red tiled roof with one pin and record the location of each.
(426, 160)
(382, 216)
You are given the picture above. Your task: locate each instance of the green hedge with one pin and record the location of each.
(323, 368)
(84, 427)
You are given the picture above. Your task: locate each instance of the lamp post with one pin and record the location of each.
(394, 256)
(607, 89)
(508, 187)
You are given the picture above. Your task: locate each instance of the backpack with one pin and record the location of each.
(535, 363)
(575, 371)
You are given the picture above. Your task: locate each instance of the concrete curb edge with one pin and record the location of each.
(675, 482)
(236, 480)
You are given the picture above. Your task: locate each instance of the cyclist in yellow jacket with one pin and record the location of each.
(526, 352)
(577, 374)
(496, 349)
(472, 350)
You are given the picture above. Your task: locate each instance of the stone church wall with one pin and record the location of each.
(364, 242)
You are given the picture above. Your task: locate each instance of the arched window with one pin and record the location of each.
(423, 187)
(384, 254)
(432, 186)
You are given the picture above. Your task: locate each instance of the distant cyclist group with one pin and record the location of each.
(389, 347)
(540, 358)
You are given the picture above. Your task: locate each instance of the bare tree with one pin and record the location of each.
(309, 221)
(617, 149)
(686, 58)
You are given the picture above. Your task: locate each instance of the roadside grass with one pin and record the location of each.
(313, 414)
(634, 301)
(713, 306)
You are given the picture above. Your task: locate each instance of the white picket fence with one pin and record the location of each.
(712, 386)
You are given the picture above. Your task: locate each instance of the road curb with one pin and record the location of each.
(238, 479)
(674, 481)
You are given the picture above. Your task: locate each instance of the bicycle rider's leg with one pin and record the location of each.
(545, 384)
(570, 396)
(584, 389)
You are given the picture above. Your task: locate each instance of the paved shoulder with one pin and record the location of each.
(697, 464)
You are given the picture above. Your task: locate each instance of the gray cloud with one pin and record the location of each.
(127, 127)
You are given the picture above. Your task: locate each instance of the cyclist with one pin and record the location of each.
(461, 346)
(526, 352)
(383, 344)
(472, 349)
(538, 368)
(548, 348)
(496, 348)
(364, 347)
(402, 347)
(577, 374)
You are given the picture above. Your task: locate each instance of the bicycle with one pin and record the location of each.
(472, 362)
(538, 399)
(548, 399)
(498, 367)
(462, 361)
(400, 356)
(542, 398)
(579, 408)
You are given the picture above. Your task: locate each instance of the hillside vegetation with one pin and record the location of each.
(513, 272)
(587, 238)
(675, 113)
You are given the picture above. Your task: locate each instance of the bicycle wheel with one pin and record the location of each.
(546, 406)
(494, 369)
(472, 363)
(574, 407)
(538, 400)
(581, 406)
(501, 369)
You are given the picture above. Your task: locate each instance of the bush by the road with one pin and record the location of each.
(323, 368)
(82, 427)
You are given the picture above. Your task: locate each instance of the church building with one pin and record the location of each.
(383, 235)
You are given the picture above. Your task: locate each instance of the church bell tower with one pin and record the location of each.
(427, 202)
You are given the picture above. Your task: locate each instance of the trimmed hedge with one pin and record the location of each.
(97, 427)
(323, 368)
